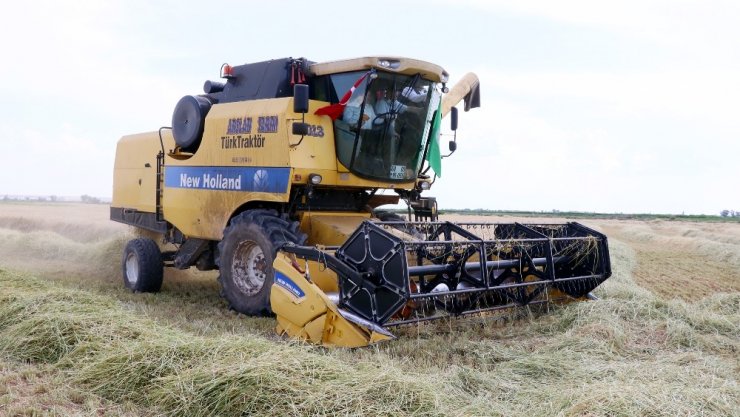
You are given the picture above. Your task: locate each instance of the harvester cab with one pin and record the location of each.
(274, 175)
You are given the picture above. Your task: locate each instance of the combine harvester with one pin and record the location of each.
(273, 178)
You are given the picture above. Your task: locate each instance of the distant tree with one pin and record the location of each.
(89, 199)
(724, 213)
(53, 198)
(6, 198)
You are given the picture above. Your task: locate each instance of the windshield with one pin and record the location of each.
(384, 126)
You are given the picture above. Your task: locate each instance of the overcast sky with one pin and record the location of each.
(629, 106)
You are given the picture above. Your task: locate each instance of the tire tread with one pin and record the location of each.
(279, 230)
(151, 268)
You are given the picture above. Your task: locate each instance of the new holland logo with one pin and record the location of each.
(261, 182)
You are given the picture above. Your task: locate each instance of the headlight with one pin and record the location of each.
(425, 185)
(314, 179)
(389, 63)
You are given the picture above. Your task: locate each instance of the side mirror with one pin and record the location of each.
(300, 128)
(300, 99)
(453, 126)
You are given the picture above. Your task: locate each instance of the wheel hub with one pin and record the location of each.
(132, 268)
(249, 268)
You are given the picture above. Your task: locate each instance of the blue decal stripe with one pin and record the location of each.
(288, 284)
(256, 179)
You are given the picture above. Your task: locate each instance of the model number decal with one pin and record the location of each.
(267, 124)
(316, 131)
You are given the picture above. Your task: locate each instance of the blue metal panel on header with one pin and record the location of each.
(248, 179)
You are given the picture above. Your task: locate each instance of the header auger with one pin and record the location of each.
(272, 177)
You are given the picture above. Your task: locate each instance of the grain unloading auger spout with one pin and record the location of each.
(395, 273)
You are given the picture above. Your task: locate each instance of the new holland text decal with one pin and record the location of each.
(288, 284)
(255, 179)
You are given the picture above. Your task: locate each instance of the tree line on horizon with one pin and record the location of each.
(88, 199)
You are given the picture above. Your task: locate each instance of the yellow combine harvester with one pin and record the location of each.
(272, 176)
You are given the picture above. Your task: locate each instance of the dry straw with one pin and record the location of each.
(631, 353)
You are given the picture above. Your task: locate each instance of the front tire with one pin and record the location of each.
(246, 253)
(142, 266)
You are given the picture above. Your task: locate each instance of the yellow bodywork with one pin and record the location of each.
(204, 213)
(256, 166)
(330, 228)
(134, 174)
(304, 311)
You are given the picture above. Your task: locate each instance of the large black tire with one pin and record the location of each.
(142, 265)
(246, 253)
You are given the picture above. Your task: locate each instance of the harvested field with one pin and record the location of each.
(664, 338)
(685, 260)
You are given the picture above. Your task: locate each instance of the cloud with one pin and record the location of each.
(705, 96)
(531, 147)
(509, 158)
(614, 136)
(65, 163)
(685, 24)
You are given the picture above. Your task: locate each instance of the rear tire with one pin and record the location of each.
(245, 259)
(142, 266)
